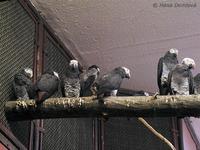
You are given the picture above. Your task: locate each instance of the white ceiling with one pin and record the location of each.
(129, 33)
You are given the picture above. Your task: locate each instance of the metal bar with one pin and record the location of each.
(41, 64)
(26, 6)
(96, 134)
(39, 70)
(175, 132)
(102, 133)
(41, 134)
(99, 133)
(36, 135)
(30, 145)
(31, 137)
(9, 135)
(180, 137)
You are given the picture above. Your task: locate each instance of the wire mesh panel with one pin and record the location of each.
(64, 134)
(128, 134)
(17, 33)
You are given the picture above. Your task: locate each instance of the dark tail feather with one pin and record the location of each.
(164, 91)
(41, 97)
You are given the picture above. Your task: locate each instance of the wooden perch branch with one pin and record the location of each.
(134, 106)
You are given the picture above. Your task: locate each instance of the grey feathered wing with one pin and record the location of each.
(159, 71)
(169, 82)
(87, 82)
(163, 88)
(20, 86)
(47, 85)
(108, 83)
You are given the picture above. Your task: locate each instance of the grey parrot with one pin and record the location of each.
(22, 84)
(165, 65)
(88, 79)
(180, 80)
(109, 83)
(46, 86)
(197, 84)
(70, 84)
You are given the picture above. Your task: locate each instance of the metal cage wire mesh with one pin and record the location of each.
(70, 133)
(129, 133)
(17, 37)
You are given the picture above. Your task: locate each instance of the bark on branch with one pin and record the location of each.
(133, 106)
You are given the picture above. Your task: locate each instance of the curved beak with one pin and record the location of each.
(192, 66)
(175, 55)
(75, 65)
(128, 76)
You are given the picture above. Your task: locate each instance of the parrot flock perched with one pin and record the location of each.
(172, 78)
(73, 83)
